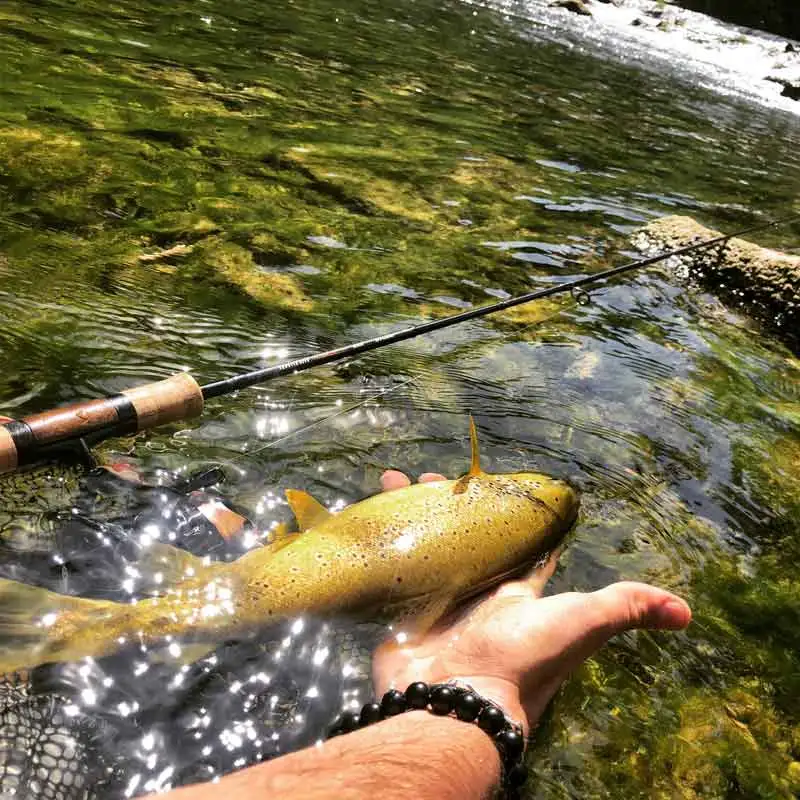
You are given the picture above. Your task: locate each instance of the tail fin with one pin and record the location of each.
(37, 625)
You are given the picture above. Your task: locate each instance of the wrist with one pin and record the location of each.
(453, 699)
(501, 692)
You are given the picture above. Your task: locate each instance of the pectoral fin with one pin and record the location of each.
(415, 616)
(280, 537)
(307, 510)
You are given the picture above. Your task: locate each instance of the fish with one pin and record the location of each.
(405, 558)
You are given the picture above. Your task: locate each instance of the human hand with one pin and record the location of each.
(514, 646)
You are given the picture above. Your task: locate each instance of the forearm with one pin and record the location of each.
(415, 754)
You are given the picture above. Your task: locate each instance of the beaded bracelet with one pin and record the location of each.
(444, 699)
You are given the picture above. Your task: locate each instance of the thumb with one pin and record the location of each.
(622, 607)
(580, 624)
(627, 605)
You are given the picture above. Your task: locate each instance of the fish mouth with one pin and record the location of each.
(574, 508)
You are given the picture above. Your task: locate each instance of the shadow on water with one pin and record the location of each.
(227, 185)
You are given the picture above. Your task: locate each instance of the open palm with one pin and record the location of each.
(515, 646)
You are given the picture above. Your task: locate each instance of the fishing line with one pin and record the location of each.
(319, 422)
(219, 388)
(180, 397)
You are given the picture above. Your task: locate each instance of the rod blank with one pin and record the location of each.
(180, 397)
(357, 348)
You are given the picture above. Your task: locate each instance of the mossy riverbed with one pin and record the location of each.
(217, 186)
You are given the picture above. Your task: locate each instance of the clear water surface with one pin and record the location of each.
(218, 186)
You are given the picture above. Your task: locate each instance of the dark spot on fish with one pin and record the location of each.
(399, 579)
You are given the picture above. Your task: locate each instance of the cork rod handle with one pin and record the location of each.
(170, 400)
(8, 451)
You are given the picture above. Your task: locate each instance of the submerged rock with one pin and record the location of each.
(791, 90)
(779, 16)
(763, 282)
(576, 6)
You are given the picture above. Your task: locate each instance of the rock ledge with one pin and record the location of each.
(764, 283)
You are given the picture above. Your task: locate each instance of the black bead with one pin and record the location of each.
(417, 695)
(468, 706)
(393, 703)
(442, 699)
(348, 721)
(370, 712)
(492, 720)
(511, 742)
(516, 776)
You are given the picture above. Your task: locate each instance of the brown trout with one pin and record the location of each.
(405, 557)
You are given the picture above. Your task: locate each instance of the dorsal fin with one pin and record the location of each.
(475, 463)
(307, 510)
(280, 537)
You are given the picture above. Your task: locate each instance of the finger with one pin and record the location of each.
(577, 625)
(532, 585)
(430, 477)
(394, 479)
(627, 605)
(539, 577)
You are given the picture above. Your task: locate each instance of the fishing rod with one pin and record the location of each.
(180, 397)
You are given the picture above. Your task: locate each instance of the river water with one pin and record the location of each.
(219, 186)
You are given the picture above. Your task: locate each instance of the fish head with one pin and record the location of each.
(554, 494)
(509, 522)
(454, 540)
(543, 492)
(505, 524)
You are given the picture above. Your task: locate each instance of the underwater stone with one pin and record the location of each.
(791, 90)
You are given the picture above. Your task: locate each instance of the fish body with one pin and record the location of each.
(406, 557)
